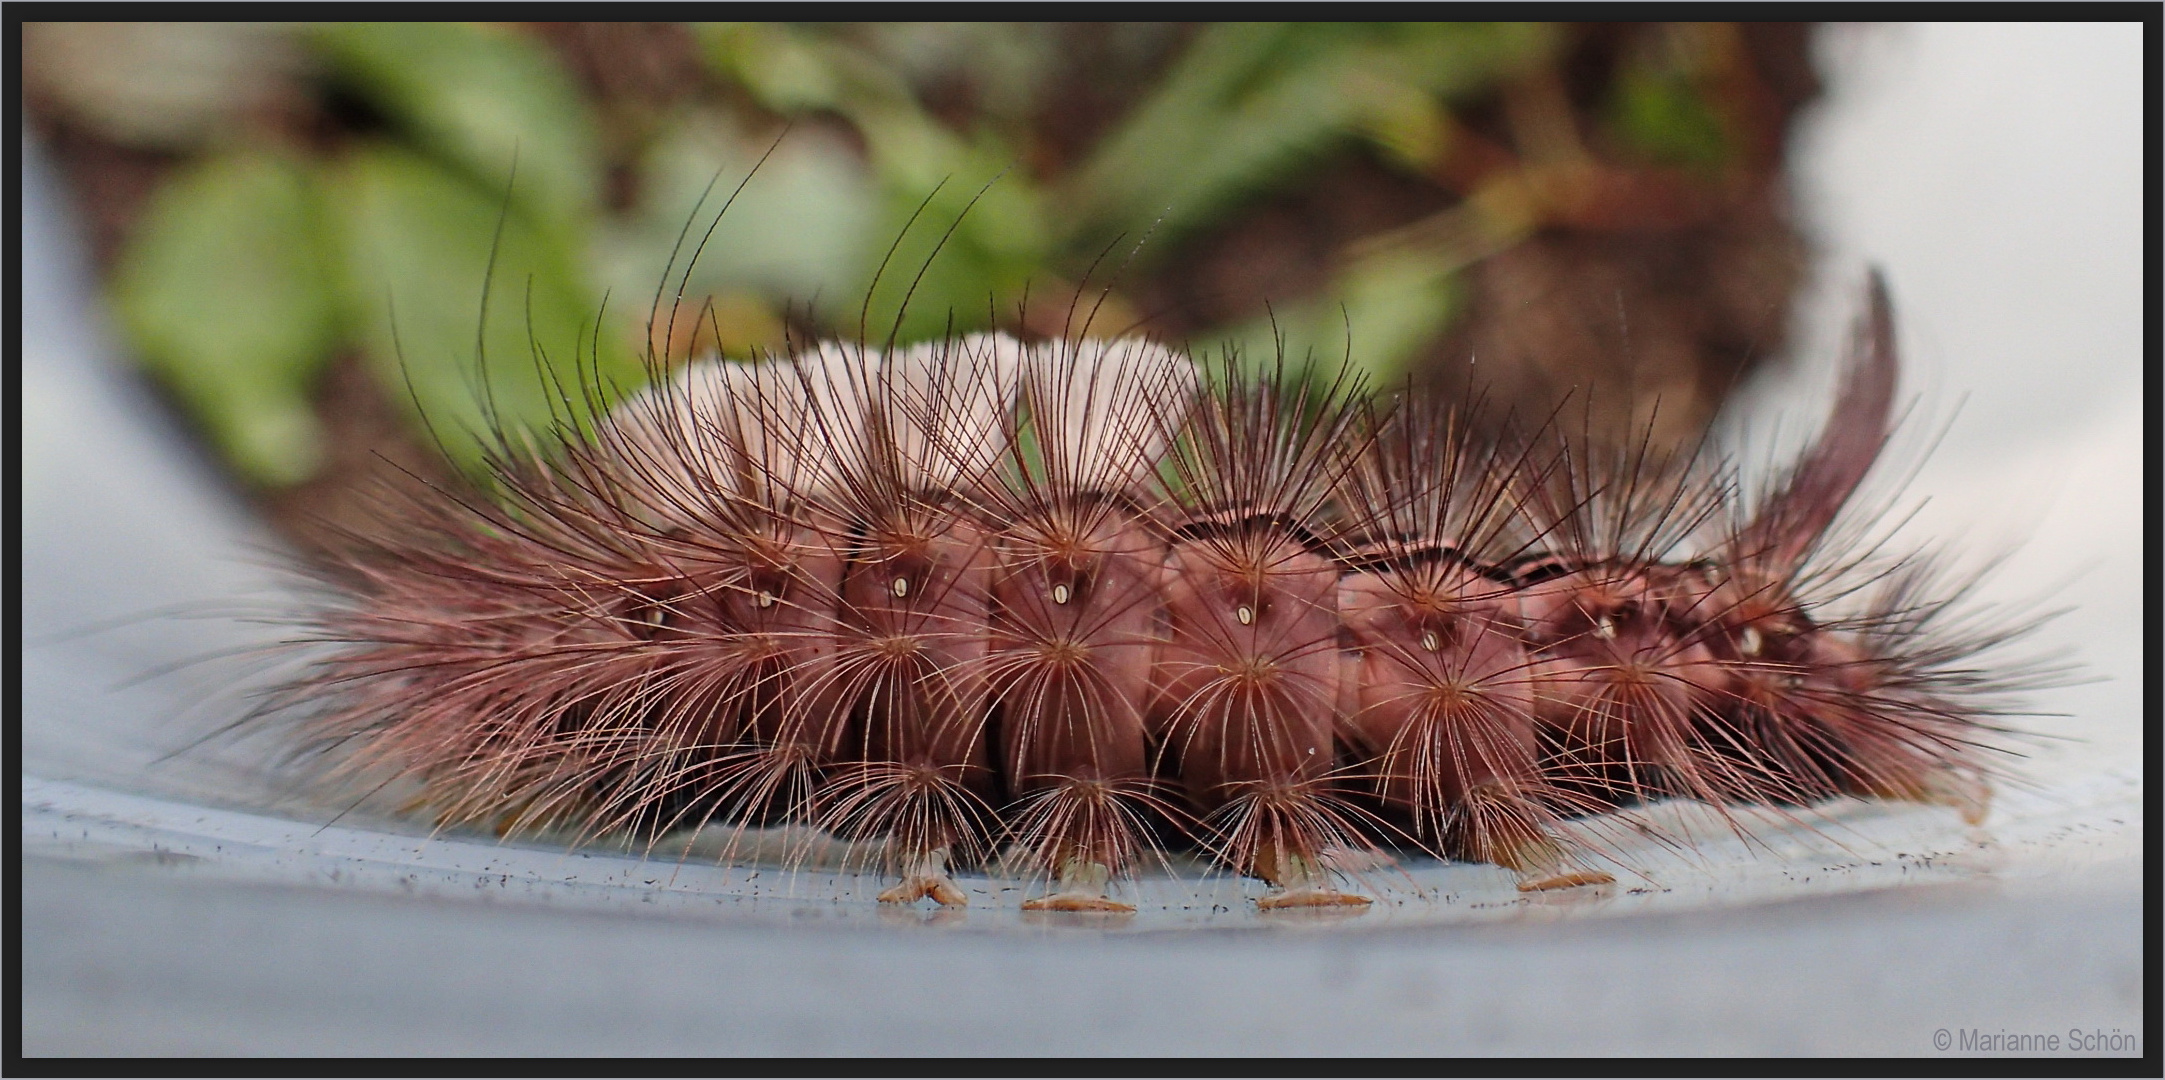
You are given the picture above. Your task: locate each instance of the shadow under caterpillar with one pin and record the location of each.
(1082, 602)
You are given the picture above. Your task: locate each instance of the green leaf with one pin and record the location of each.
(957, 256)
(224, 293)
(418, 244)
(979, 230)
(477, 96)
(1663, 116)
(784, 70)
(1251, 103)
(1378, 314)
(798, 230)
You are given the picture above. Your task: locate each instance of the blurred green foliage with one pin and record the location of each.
(419, 242)
(475, 98)
(1660, 112)
(230, 300)
(1251, 102)
(876, 214)
(935, 189)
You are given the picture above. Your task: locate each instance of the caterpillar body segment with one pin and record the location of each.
(1248, 688)
(1249, 680)
(906, 682)
(1074, 643)
(1618, 678)
(1440, 682)
(1829, 705)
(1076, 610)
(728, 461)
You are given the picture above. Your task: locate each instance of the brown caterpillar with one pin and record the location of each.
(1080, 602)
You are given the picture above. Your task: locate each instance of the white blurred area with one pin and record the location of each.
(1994, 172)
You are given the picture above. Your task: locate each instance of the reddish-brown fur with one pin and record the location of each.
(1067, 600)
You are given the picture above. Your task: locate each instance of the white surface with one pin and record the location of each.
(188, 905)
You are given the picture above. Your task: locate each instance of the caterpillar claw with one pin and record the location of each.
(1969, 796)
(1298, 881)
(1569, 879)
(1082, 888)
(1310, 896)
(1079, 902)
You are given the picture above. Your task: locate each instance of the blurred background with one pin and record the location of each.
(221, 226)
(293, 223)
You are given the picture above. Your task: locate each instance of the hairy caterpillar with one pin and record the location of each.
(1080, 602)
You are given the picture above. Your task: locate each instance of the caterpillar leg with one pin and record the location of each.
(1494, 823)
(908, 672)
(1298, 880)
(1965, 793)
(1080, 833)
(1970, 796)
(1506, 830)
(1894, 746)
(926, 816)
(1279, 831)
(927, 877)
